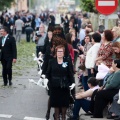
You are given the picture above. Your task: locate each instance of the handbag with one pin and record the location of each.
(69, 111)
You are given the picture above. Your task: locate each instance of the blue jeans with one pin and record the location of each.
(80, 103)
(84, 82)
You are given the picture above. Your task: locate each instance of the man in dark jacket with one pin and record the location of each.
(29, 31)
(8, 55)
(51, 20)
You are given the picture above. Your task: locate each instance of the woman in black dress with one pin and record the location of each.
(60, 76)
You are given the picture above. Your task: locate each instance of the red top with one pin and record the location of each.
(71, 52)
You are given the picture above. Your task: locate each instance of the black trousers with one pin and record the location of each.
(39, 49)
(102, 98)
(6, 71)
(28, 37)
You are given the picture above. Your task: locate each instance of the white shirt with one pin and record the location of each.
(91, 56)
(82, 34)
(93, 89)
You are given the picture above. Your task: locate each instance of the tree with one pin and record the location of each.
(88, 5)
(5, 4)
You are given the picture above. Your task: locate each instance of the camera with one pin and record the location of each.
(38, 34)
(78, 45)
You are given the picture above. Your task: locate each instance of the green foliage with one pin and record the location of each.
(88, 5)
(5, 3)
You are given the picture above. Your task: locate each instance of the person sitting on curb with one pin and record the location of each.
(83, 99)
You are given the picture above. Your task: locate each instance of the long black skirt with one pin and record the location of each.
(59, 97)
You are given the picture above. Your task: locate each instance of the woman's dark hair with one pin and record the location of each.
(93, 81)
(101, 28)
(59, 46)
(89, 37)
(58, 41)
(108, 35)
(50, 28)
(58, 31)
(68, 37)
(117, 62)
(96, 37)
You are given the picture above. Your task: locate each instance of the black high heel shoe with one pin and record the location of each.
(47, 115)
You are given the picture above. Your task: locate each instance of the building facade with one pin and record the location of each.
(19, 5)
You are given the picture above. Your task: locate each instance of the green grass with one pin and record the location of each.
(24, 58)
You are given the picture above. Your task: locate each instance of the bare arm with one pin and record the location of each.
(85, 94)
(98, 58)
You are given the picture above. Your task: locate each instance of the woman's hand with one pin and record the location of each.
(98, 59)
(81, 48)
(14, 60)
(101, 88)
(98, 63)
(76, 50)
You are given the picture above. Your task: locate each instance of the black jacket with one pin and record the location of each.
(9, 50)
(58, 75)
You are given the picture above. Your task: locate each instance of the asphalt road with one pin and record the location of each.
(23, 99)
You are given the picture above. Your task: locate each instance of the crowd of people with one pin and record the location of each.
(98, 53)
